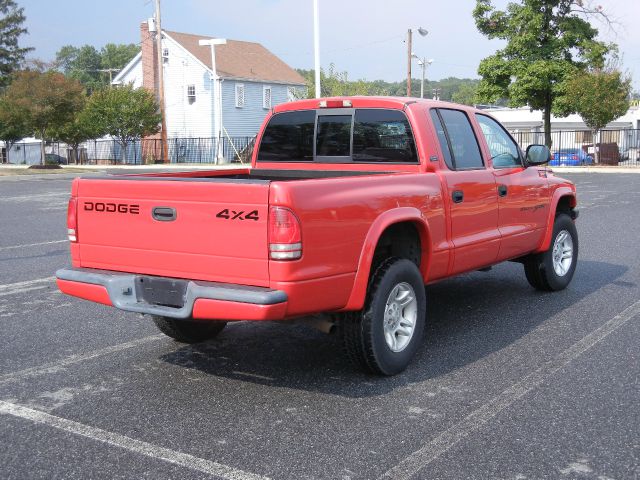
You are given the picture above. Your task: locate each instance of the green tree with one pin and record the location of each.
(91, 67)
(465, 94)
(46, 100)
(11, 54)
(599, 97)
(125, 113)
(547, 41)
(78, 128)
(13, 124)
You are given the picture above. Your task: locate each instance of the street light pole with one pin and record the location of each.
(316, 46)
(216, 92)
(423, 62)
(423, 33)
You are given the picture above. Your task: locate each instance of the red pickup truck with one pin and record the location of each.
(350, 207)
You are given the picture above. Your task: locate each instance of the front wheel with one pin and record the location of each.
(553, 270)
(384, 337)
(188, 331)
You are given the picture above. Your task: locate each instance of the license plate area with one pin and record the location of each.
(161, 291)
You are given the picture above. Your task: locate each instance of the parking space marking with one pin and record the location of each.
(431, 451)
(53, 367)
(21, 287)
(136, 446)
(27, 245)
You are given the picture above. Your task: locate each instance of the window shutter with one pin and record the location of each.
(239, 95)
(266, 97)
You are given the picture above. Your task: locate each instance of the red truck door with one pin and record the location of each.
(523, 194)
(472, 195)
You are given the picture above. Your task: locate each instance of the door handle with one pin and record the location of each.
(457, 196)
(164, 214)
(502, 190)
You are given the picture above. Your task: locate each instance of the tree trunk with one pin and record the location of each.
(547, 121)
(596, 151)
(42, 154)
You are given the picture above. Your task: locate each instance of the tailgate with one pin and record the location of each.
(127, 225)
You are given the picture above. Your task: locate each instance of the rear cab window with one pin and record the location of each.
(366, 135)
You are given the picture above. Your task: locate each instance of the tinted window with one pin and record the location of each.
(334, 136)
(504, 151)
(466, 153)
(382, 136)
(288, 137)
(442, 138)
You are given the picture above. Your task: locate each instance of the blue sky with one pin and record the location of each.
(365, 38)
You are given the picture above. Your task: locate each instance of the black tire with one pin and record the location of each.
(539, 268)
(188, 331)
(363, 333)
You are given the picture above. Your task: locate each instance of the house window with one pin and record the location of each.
(584, 137)
(266, 97)
(165, 55)
(291, 94)
(239, 95)
(191, 94)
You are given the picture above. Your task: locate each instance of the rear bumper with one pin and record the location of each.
(202, 300)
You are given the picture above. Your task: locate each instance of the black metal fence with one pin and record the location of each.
(139, 152)
(614, 147)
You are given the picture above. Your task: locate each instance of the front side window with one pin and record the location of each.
(504, 151)
(382, 136)
(334, 136)
(442, 139)
(464, 146)
(288, 137)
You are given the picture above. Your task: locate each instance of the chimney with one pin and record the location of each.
(149, 56)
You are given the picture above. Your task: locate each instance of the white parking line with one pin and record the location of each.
(27, 245)
(21, 287)
(127, 443)
(56, 366)
(431, 451)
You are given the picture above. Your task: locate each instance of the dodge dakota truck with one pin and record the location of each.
(349, 208)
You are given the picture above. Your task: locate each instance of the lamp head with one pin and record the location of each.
(423, 31)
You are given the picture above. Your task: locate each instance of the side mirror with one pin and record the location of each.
(537, 155)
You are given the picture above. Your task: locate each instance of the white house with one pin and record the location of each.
(248, 80)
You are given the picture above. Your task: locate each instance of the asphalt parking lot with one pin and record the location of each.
(510, 383)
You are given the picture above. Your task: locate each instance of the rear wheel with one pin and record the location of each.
(553, 270)
(384, 337)
(188, 331)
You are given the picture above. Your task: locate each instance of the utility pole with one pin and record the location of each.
(163, 131)
(216, 91)
(316, 46)
(110, 71)
(409, 50)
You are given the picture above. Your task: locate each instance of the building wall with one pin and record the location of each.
(246, 121)
(185, 118)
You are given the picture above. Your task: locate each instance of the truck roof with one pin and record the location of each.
(365, 102)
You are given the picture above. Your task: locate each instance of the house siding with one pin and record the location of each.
(184, 119)
(246, 121)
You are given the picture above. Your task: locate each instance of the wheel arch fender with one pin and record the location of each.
(561, 194)
(379, 226)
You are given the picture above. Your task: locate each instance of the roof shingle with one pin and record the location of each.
(238, 59)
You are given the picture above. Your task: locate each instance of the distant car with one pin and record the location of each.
(54, 159)
(570, 157)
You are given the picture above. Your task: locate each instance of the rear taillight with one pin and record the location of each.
(574, 157)
(285, 235)
(72, 219)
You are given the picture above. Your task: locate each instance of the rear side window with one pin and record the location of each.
(382, 136)
(442, 138)
(462, 141)
(288, 137)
